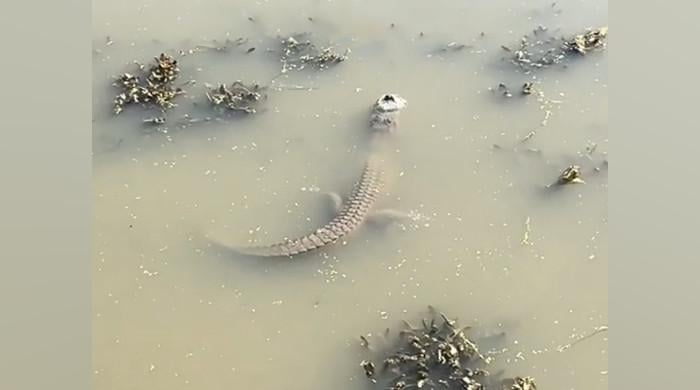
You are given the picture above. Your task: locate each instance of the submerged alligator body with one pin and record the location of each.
(350, 217)
(355, 210)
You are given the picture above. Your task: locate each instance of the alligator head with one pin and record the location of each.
(385, 113)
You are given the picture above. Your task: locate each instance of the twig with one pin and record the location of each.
(596, 330)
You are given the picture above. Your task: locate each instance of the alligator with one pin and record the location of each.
(357, 208)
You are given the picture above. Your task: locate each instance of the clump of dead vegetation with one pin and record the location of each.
(298, 52)
(542, 49)
(570, 175)
(588, 41)
(519, 383)
(153, 87)
(238, 98)
(437, 355)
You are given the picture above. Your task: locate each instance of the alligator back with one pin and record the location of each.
(351, 216)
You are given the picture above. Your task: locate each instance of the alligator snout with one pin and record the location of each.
(385, 112)
(390, 102)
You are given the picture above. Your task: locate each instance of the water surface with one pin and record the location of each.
(172, 312)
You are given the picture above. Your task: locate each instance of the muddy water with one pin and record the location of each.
(487, 244)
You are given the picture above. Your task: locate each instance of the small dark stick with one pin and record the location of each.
(364, 342)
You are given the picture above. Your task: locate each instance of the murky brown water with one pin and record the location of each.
(172, 313)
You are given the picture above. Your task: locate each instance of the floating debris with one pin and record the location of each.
(436, 355)
(238, 98)
(446, 49)
(214, 46)
(155, 87)
(451, 47)
(454, 46)
(541, 50)
(603, 166)
(528, 231)
(364, 342)
(188, 121)
(590, 149)
(522, 383)
(159, 120)
(224, 47)
(588, 41)
(547, 106)
(570, 175)
(503, 89)
(596, 330)
(298, 53)
(369, 369)
(526, 89)
(293, 87)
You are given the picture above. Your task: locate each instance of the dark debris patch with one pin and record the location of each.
(437, 355)
(298, 52)
(150, 88)
(238, 98)
(521, 383)
(542, 49)
(503, 90)
(588, 41)
(570, 175)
